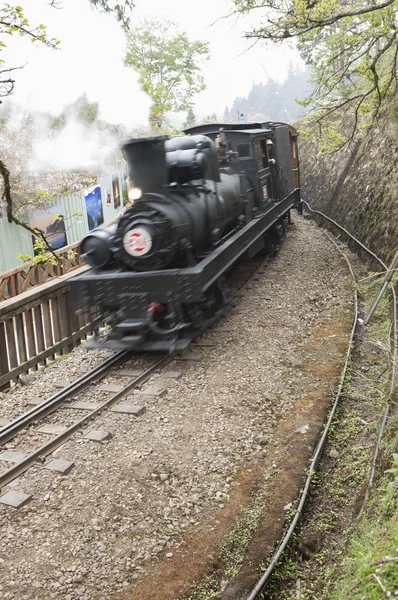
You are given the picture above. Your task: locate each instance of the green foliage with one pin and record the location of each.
(168, 65)
(370, 567)
(392, 486)
(86, 111)
(41, 255)
(14, 21)
(42, 196)
(352, 47)
(120, 9)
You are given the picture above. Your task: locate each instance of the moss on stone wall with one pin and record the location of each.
(358, 187)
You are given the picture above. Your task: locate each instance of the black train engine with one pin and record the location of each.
(201, 202)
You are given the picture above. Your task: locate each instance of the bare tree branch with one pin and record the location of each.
(39, 233)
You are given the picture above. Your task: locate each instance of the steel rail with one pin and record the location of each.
(386, 280)
(51, 404)
(263, 581)
(317, 212)
(38, 456)
(47, 448)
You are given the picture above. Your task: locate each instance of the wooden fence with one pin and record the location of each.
(37, 325)
(21, 279)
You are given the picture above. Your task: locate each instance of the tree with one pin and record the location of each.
(14, 21)
(120, 9)
(352, 47)
(191, 119)
(168, 65)
(211, 119)
(85, 111)
(227, 115)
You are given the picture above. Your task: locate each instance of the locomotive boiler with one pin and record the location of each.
(201, 201)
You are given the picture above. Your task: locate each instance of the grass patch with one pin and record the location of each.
(233, 550)
(336, 555)
(368, 569)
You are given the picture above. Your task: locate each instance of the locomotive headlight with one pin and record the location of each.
(134, 194)
(95, 248)
(137, 241)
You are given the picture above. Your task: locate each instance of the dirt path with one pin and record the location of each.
(205, 476)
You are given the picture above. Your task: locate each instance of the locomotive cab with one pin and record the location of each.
(266, 152)
(251, 154)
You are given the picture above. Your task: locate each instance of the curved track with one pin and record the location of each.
(54, 402)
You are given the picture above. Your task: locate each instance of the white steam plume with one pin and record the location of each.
(74, 147)
(90, 62)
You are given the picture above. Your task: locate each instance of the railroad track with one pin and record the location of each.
(38, 412)
(265, 579)
(34, 417)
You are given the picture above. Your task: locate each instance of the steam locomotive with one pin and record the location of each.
(200, 202)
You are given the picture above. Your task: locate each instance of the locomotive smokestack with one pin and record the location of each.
(146, 159)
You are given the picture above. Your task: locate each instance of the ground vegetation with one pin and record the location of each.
(347, 546)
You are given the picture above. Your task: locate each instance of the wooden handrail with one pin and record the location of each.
(38, 324)
(30, 263)
(18, 280)
(14, 305)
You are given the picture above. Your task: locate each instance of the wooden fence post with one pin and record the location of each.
(4, 367)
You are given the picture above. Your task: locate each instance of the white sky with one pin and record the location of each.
(93, 45)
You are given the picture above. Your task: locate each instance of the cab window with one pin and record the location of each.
(261, 155)
(243, 150)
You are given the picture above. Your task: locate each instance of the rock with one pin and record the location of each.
(261, 441)
(333, 453)
(294, 362)
(303, 429)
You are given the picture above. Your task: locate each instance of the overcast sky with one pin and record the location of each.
(93, 46)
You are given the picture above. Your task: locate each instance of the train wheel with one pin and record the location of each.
(217, 297)
(274, 237)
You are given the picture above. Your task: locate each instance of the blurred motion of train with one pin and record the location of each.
(201, 201)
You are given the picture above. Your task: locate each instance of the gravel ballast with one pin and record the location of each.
(131, 503)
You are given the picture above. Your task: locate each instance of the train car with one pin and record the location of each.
(199, 203)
